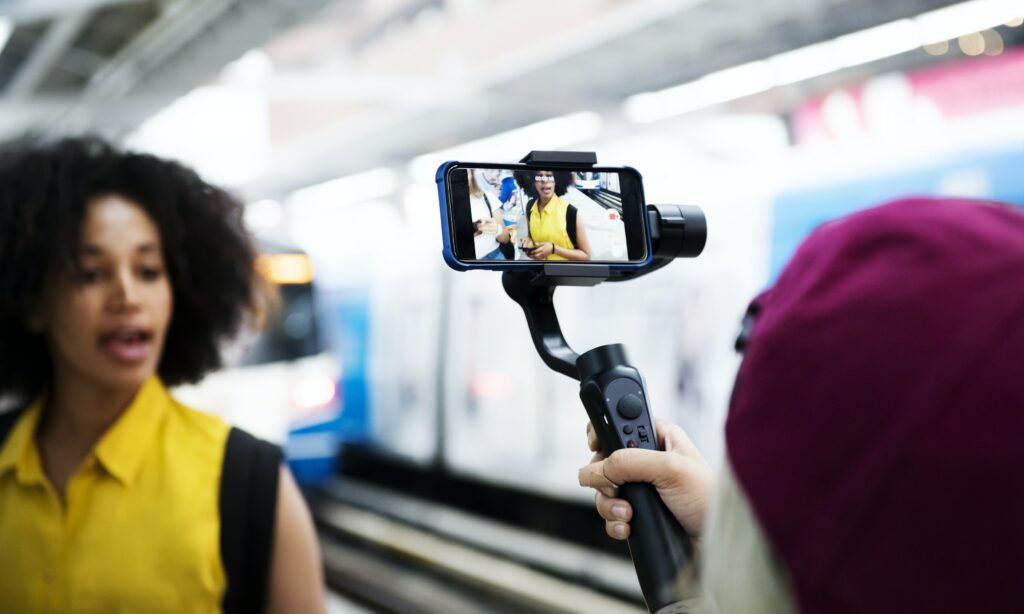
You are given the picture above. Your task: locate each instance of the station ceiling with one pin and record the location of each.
(391, 78)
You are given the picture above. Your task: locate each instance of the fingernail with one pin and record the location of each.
(620, 530)
(619, 512)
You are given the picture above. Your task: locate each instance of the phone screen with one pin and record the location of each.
(531, 214)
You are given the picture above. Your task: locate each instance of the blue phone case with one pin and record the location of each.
(448, 251)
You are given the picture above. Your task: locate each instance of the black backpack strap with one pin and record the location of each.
(570, 225)
(248, 506)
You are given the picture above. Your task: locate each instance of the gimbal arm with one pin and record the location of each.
(537, 303)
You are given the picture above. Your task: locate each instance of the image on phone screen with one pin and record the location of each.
(542, 215)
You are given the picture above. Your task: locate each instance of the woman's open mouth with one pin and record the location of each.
(127, 345)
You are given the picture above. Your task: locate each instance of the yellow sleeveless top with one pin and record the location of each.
(548, 226)
(139, 530)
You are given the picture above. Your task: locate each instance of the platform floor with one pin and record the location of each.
(338, 604)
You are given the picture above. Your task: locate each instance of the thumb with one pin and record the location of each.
(638, 465)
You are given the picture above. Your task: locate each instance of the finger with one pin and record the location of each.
(613, 508)
(608, 491)
(638, 465)
(592, 441)
(616, 530)
(672, 438)
(592, 476)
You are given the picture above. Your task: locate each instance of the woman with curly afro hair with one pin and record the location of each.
(120, 276)
(555, 228)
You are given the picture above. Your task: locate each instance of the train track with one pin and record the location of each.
(394, 553)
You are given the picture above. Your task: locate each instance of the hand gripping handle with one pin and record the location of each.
(615, 398)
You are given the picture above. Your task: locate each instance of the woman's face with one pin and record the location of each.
(545, 184)
(106, 321)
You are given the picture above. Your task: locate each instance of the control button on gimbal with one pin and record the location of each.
(627, 429)
(630, 407)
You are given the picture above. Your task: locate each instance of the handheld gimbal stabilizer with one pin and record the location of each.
(613, 392)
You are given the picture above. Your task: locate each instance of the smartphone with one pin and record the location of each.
(592, 214)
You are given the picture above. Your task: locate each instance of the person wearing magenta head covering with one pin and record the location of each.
(875, 439)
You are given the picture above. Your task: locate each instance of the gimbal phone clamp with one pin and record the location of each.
(613, 392)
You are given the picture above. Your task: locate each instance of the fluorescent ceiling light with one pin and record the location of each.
(6, 28)
(349, 190)
(804, 63)
(552, 133)
(715, 88)
(225, 136)
(263, 214)
(254, 68)
(854, 49)
(877, 43)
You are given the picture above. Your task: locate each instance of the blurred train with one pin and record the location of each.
(280, 378)
(410, 361)
(436, 369)
(449, 377)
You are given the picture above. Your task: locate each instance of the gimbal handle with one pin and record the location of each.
(615, 397)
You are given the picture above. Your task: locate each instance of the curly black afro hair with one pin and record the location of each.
(563, 179)
(44, 189)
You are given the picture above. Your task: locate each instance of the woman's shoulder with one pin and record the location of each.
(192, 425)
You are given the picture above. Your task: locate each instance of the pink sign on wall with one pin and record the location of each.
(941, 93)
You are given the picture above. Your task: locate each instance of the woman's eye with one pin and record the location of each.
(151, 273)
(87, 276)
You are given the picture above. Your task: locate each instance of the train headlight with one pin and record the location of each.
(312, 393)
(285, 268)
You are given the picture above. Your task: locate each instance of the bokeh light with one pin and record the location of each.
(972, 44)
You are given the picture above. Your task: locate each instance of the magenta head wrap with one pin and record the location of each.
(877, 426)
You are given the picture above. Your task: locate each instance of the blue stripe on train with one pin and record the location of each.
(998, 175)
(312, 449)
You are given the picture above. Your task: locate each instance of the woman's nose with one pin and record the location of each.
(125, 290)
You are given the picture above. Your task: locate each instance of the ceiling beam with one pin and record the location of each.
(26, 11)
(58, 38)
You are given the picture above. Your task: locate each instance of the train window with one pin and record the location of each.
(293, 332)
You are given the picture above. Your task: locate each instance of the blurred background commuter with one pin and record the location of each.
(490, 234)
